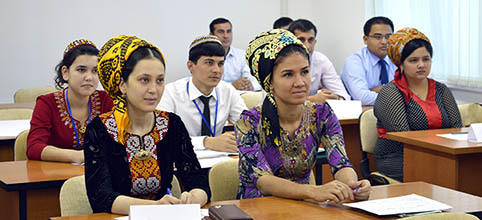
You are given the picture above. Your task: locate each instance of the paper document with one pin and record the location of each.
(154, 212)
(10, 129)
(210, 162)
(206, 153)
(346, 109)
(400, 205)
(455, 136)
(204, 213)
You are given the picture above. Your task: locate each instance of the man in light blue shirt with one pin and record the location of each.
(236, 70)
(366, 71)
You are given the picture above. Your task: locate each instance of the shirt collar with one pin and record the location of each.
(194, 92)
(231, 52)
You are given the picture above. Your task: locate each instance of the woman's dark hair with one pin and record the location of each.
(208, 49)
(138, 55)
(413, 45)
(68, 59)
(288, 50)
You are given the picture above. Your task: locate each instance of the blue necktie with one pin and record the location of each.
(383, 72)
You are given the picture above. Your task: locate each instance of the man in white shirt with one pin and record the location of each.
(323, 73)
(186, 97)
(236, 70)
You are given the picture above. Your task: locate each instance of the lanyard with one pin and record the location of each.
(72, 118)
(213, 132)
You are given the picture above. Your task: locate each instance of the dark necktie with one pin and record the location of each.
(205, 131)
(383, 72)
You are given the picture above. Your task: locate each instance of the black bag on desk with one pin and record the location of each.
(227, 212)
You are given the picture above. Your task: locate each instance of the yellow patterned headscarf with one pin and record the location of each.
(398, 41)
(111, 61)
(261, 55)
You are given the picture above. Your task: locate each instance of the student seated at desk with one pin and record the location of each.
(278, 141)
(59, 119)
(412, 101)
(130, 152)
(205, 102)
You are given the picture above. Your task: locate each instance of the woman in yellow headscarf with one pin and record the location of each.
(412, 101)
(130, 152)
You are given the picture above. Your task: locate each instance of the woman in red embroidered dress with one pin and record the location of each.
(411, 101)
(52, 134)
(130, 153)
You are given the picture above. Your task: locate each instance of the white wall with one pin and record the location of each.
(34, 34)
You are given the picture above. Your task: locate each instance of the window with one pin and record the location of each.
(453, 28)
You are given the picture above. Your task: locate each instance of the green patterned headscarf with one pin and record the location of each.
(261, 56)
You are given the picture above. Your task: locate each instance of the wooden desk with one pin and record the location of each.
(278, 208)
(29, 105)
(441, 161)
(351, 134)
(30, 189)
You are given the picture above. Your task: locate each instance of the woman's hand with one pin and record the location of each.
(361, 189)
(168, 199)
(335, 191)
(77, 156)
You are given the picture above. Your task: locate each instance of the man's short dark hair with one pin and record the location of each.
(208, 49)
(218, 21)
(303, 25)
(376, 20)
(281, 22)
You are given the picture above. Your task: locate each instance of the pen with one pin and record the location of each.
(460, 132)
(168, 191)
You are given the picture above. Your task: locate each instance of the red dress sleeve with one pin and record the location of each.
(40, 126)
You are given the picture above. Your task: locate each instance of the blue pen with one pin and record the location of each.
(168, 191)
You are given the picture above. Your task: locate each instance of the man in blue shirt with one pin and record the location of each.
(236, 70)
(366, 71)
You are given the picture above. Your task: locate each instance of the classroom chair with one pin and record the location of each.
(252, 99)
(224, 180)
(31, 94)
(74, 201)
(442, 216)
(470, 113)
(16, 114)
(20, 148)
(73, 197)
(368, 139)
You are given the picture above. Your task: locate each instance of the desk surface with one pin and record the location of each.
(33, 174)
(278, 208)
(428, 139)
(29, 105)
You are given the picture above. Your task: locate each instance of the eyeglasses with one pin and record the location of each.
(379, 36)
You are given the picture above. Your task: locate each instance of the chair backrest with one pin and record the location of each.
(73, 197)
(368, 131)
(252, 99)
(176, 189)
(224, 180)
(442, 216)
(31, 94)
(16, 114)
(470, 113)
(20, 149)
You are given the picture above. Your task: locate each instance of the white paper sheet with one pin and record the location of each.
(346, 109)
(206, 153)
(475, 132)
(455, 136)
(204, 213)
(10, 129)
(209, 162)
(154, 212)
(399, 205)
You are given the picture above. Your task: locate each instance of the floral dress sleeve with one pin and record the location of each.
(252, 161)
(331, 137)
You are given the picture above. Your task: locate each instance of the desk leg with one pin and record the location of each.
(22, 205)
(9, 204)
